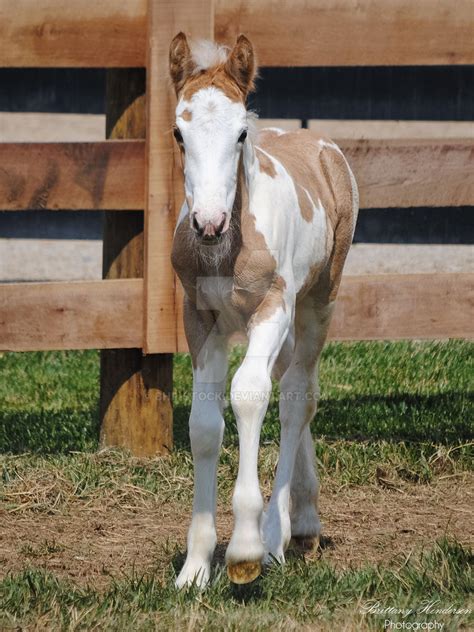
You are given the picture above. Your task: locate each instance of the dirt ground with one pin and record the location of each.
(90, 542)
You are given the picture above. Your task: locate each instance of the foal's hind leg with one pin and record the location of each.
(299, 394)
(305, 524)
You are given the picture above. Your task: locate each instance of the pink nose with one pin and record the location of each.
(209, 230)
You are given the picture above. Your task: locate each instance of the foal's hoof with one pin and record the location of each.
(244, 572)
(305, 543)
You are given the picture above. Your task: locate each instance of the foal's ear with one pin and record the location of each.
(241, 64)
(181, 61)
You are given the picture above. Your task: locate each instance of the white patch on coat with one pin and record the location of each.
(329, 143)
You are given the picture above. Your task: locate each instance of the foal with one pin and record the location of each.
(259, 248)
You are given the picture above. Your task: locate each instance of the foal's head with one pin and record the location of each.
(211, 126)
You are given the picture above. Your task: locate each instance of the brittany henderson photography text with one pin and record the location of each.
(431, 608)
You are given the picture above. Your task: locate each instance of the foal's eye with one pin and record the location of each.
(177, 134)
(243, 136)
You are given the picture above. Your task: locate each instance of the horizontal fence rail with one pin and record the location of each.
(109, 314)
(72, 176)
(71, 315)
(110, 175)
(87, 33)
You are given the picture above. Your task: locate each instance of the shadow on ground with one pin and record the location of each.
(443, 418)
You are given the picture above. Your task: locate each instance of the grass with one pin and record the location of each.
(394, 433)
(404, 391)
(288, 597)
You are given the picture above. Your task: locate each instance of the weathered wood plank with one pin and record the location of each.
(400, 306)
(71, 315)
(51, 127)
(135, 390)
(297, 33)
(358, 129)
(74, 176)
(345, 33)
(110, 175)
(165, 19)
(404, 173)
(77, 33)
(108, 314)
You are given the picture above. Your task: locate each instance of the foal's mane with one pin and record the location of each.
(207, 54)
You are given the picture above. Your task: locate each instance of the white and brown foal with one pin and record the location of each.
(259, 247)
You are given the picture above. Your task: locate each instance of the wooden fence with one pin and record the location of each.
(137, 305)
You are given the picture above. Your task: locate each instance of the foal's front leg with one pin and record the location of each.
(251, 389)
(206, 427)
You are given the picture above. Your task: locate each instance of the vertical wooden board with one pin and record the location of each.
(135, 394)
(181, 342)
(165, 20)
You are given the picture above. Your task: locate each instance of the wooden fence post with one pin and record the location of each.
(164, 190)
(135, 398)
(135, 408)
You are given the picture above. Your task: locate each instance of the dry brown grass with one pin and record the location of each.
(111, 526)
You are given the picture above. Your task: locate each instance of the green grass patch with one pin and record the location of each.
(285, 597)
(399, 411)
(49, 401)
(397, 391)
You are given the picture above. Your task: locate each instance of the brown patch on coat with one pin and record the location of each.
(342, 219)
(304, 203)
(298, 152)
(216, 77)
(323, 172)
(186, 115)
(265, 164)
(255, 278)
(257, 291)
(198, 326)
(273, 300)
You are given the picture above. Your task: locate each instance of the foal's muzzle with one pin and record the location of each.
(209, 230)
